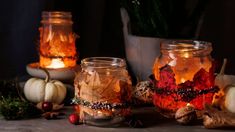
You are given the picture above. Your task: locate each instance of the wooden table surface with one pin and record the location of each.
(150, 118)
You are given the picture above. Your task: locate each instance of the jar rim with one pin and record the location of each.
(56, 17)
(174, 44)
(103, 62)
(59, 14)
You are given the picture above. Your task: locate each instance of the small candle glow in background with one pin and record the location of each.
(57, 41)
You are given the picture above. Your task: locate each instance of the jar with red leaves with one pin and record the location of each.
(184, 74)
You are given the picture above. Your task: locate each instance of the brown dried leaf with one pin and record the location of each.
(57, 106)
(214, 118)
(52, 115)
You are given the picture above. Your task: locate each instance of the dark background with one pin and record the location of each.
(99, 26)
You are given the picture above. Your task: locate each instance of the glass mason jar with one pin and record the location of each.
(184, 74)
(57, 40)
(102, 91)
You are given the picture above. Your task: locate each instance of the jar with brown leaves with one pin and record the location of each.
(102, 91)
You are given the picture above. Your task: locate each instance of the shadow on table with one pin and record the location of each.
(150, 117)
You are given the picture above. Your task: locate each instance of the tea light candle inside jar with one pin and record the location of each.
(57, 41)
(57, 50)
(182, 80)
(188, 104)
(56, 63)
(186, 54)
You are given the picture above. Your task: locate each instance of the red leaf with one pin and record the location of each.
(203, 79)
(172, 96)
(187, 84)
(167, 78)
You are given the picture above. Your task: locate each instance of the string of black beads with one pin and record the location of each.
(187, 94)
(99, 105)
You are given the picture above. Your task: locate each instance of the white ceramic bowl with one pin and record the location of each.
(62, 74)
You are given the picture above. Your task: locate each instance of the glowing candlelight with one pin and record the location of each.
(56, 63)
(188, 104)
(183, 70)
(182, 80)
(186, 55)
(57, 41)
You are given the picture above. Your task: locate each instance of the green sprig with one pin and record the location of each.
(12, 104)
(15, 108)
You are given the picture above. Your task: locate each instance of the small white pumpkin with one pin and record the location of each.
(229, 99)
(37, 90)
(225, 97)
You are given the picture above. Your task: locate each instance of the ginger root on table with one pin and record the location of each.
(214, 118)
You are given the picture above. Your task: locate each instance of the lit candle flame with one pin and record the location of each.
(186, 55)
(56, 63)
(188, 104)
(182, 80)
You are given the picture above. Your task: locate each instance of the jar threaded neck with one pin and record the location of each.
(195, 47)
(57, 17)
(103, 62)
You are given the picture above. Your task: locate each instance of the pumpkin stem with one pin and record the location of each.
(223, 67)
(48, 78)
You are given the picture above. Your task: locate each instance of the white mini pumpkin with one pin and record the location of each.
(37, 90)
(229, 99)
(225, 97)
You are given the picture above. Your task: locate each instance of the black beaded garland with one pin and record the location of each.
(99, 105)
(187, 94)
